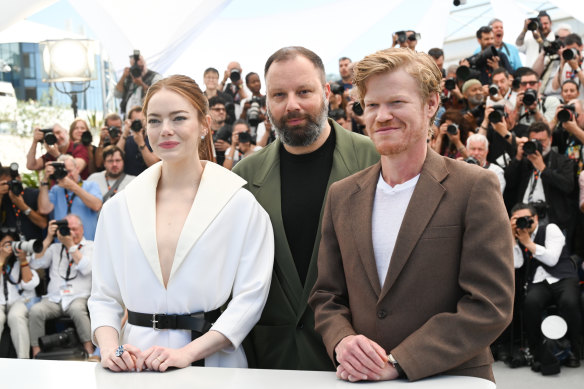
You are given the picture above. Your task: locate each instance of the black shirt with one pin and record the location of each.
(303, 182)
(8, 214)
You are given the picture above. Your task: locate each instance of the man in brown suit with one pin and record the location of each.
(415, 269)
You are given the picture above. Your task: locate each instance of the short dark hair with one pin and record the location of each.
(291, 52)
(210, 70)
(248, 75)
(344, 59)
(573, 38)
(241, 121)
(112, 116)
(539, 127)
(483, 30)
(529, 72)
(543, 13)
(570, 82)
(4, 171)
(436, 53)
(215, 100)
(520, 206)
(111, 150)
(499, 71)
(133, 110)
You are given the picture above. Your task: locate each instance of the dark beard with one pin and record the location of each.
(300, 135)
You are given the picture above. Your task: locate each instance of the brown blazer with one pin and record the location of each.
(448, 293)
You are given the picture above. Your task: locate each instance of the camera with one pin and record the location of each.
(401, 36)
(337, 89)
(529, 97)
(14, 185)
(135, 69)
(49, 138)
(253, 113)
(114, 132)
(479, 60)
(567, 113)
(28, 246)
(478, 111)
(493, 90)
(497, 115)
(472, 161)
(450, 84)
(520, 357)
(533, 24)
(63, 227)
(524, 222)
(531, 146)
(244, 137)
(65, 339)
(136, 125)
(552, 48)
(230, 113)
(235, 75)
(465, 73)
(86, 138)
(60, 171)
(357, 108)
(569, 54)
(452, 129)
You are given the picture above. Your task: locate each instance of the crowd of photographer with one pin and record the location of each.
(523, 121)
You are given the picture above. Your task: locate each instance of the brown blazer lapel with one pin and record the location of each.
(425, 199)
(360, 217)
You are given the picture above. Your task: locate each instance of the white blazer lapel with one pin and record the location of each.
(141, 202)
(217, 187)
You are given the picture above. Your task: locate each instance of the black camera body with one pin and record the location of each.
(244, 137)
(49, 138)
(531, 146)
(337, 89)
(478, 110)
(533, 24)
(552, 48)
(497, 115)
(135, 69)
(479, 60)
(472, 161)
(235, 75)
(63, 227)
(86, 138)
(14, 185)
(529, 97)
(450, 84)
(65, 339)
(524, 222)
(114, 132)
(60, 171)
(567, 112)
(465, 73)
(401, 36)
(452, 129)
(136, 125)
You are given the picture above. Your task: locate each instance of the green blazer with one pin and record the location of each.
(284, 337)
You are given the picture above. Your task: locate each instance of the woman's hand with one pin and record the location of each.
(127, 362)
(159, 358)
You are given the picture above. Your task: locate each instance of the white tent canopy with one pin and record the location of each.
(187, 36)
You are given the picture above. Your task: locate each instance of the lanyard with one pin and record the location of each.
(69, 263)
(109, 187)
(69, 201)
(535, 178)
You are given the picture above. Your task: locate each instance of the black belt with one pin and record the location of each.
(198, 323)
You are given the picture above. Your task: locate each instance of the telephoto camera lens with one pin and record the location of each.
(569, 54)
(63, 227)
(357, 109)
(234, 75)
(529, 97)
(49, 138)
(472, 160)
(28, 246)
(523, 222)
(493, 90)
(533, 24)
(136, 125)
(450, 84)
(86, 138)
(531, 146)
(497, 115)
(452, 129)
(566, 114)
(114, 132)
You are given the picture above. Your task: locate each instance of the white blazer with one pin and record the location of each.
(226, 249)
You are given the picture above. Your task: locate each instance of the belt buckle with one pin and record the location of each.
(155, 322)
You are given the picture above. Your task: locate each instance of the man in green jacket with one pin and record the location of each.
(290, 179)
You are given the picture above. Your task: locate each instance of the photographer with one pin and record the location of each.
(549, 277)
(18, 205)
(474, 96)
(18, 282)
(254, 107)
(109, 134)
(221, 131)
(453, 131)
(70, 194)
(495, 127)
(477, 146)
(541, 30)
(529, 106)
(112, 179)
(346, 73)
(507, 48)
(538, 174)
(57, 142)
(69, 264)
(235, 89)
(489, 58)
(570, 63)
(568, 135)
(265, 134)
(547, 63)
(405, 39)
(81, 137)
(240, 145)
(501, 85)
(211, 81)
(134, 83)
(134, 142)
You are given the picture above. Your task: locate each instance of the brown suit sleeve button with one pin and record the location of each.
(381, 314)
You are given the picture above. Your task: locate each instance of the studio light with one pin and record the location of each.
(68, 60)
